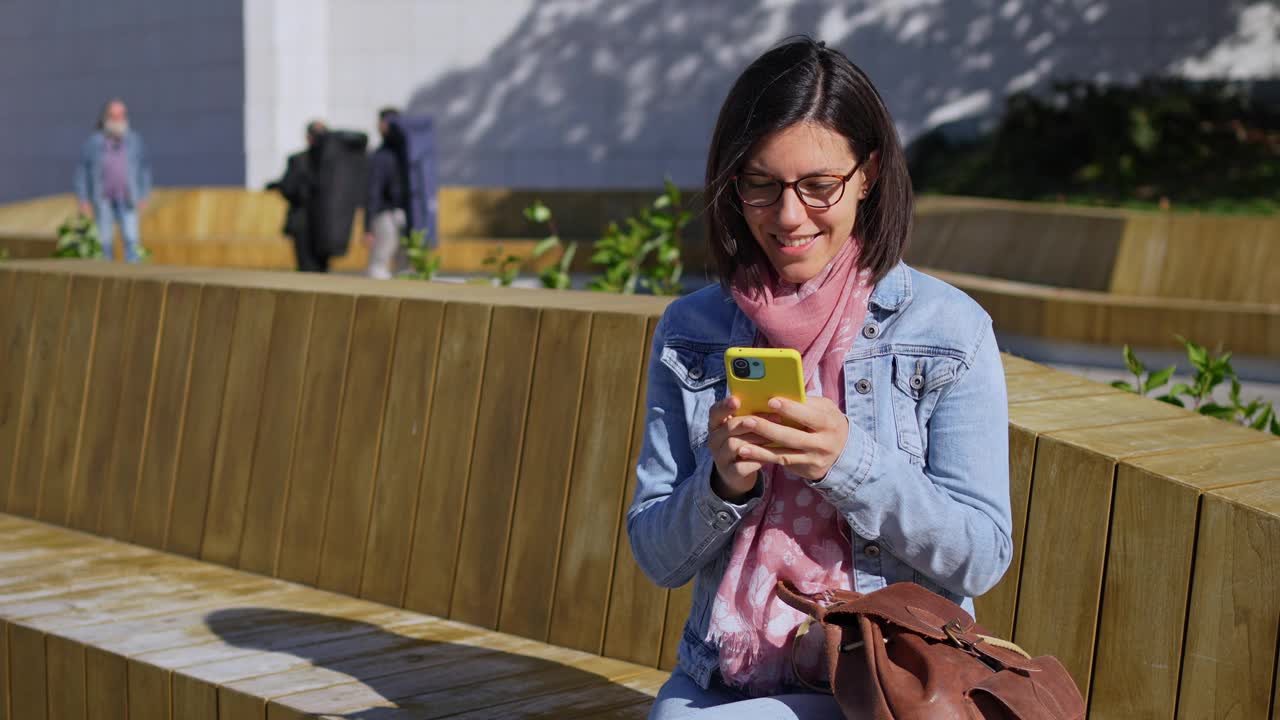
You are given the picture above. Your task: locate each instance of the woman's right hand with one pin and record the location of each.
(735, 475)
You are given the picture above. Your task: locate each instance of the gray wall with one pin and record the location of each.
(178, 64)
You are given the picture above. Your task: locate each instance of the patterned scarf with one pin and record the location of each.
(794, 534)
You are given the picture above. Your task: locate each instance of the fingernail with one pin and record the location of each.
(749, 422)
(776, 404)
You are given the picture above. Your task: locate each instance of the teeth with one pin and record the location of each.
(798, 242)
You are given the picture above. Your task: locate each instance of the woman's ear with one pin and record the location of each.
(870, 172)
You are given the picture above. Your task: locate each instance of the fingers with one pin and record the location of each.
(722, 411)
(816, 413)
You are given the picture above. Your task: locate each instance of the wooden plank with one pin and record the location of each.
(600, 469)
(37, 397)
(998, 607)
(168, 408)
(148, 692)
(486, 525)
(1052, 384)
(106, 685)
(88, 482)
(542, 488)
(405, 429)
(241, 403)
(142, 330)
(355, 461)
(1229, 662)
(27, 682)
(215, 323)
(67, 412)
(1106, 410)
(679, 605)
(15, 339)
(637, 607)
(446, 464)
(1062, 589)
(196, 700)
(5, 692)
(1014, 365)
(322, 391)
(66, 678)
(277, 427)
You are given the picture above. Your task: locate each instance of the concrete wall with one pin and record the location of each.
(179, 65)
(545, 93)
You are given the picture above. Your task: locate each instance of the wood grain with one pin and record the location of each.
(446, 465)
(237, 427)
(15, 339)
(27, 681)
(278, 420)
(1060, 589)
(37, 396)
(215, 323)
(405, 429)
(998, 607)
(107, 683)
(597, 488)
(66, 679)
(1229, 662)
(142, 332)
(355, 462)
(537, 523)
(88, 485)
(322, 391)
(168, 409)
(637, 607)
(495, 462)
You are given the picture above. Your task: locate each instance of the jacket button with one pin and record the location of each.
(870, 331)
(917, 382)
(863, 386)
(872, 550)
(723, 517)
(695, 372)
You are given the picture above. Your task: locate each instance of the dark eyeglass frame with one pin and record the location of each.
(795, 185)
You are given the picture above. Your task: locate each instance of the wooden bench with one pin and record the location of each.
(235, 495)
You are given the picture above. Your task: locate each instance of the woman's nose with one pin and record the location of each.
(791, 212)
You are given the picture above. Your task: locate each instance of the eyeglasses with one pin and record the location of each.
(815, 191)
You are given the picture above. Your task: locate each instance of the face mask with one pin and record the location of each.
(116, 128)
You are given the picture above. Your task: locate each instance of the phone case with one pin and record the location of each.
(782, 376)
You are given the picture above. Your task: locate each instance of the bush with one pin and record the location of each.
(1162, 142)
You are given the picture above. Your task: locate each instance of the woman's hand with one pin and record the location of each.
(730, 436)
(808, 451)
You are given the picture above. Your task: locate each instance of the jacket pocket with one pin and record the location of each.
(918, 381)
(700, 375)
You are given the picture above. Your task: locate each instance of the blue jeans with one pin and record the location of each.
(680, 697)
(108, 213)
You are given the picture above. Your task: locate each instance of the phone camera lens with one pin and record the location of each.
(741, 367)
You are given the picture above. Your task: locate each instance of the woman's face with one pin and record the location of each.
(799, 240)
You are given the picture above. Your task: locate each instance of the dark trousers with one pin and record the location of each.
(310, 258)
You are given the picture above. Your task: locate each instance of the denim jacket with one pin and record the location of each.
(922, 483)
(87, 179)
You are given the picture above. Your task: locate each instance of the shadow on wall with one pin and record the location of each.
(598, 94)
(397, 670)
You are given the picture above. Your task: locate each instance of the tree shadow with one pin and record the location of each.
(431, 668)
(591, 94)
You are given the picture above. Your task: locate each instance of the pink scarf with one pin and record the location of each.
(793, 534)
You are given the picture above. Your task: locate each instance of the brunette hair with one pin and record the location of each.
(805, 81)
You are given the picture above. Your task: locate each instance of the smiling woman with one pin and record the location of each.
(895, 468)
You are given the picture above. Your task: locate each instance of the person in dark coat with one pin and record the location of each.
(298, 188)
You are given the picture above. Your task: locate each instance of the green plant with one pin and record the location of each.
(506, 267)
(1212, 369)
(423, 264)
(555, 277)
(78, 238)
(645, 250)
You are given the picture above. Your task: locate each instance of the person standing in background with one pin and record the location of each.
(297, 187)
(384, 211)
(113, 179)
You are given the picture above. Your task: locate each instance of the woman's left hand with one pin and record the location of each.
(810, 450)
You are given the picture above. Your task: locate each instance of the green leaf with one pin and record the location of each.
(1171, 400)
(1235, 391)
(1267, 416)
(545, 244)
(1222, 412)
(663, 201)
(1275, 425)
(1122, 385)
(1157, 379)
(537, 212)
(1131, 361)
(1197, 354)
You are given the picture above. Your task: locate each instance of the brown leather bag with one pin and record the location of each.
(904, 652)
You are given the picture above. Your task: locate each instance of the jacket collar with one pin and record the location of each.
(894, 291)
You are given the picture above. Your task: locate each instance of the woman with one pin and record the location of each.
(898, 471)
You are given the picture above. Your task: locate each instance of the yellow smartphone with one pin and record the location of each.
(757, 375)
